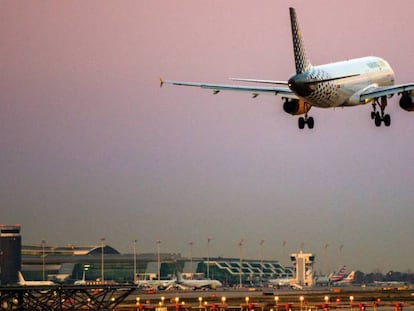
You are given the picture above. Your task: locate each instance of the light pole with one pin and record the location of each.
(135, 261)
(102, 261)
(208, 257)
(159, 261)
(241, 261)
(261, 262)
(43, 259)
(351, 300)
(191, 257)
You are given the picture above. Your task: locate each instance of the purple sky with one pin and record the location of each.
(91, 147)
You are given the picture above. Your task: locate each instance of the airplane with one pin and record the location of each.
(347, 280)
(81, 282)
(391, 284)
(155, 284)
(331, 278)
(337, 277)
(23, 282)
(197, 283)
(284, 282)
(360, 81)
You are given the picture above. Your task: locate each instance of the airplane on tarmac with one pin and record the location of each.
(360, 81)
(23, 282)
(155, 284)
(81, 282)
(197, 283)
(347, 280)
(337, 277)
(284, 282)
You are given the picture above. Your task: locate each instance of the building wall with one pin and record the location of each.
(10, 254)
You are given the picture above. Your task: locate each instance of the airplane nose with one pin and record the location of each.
(301, 85)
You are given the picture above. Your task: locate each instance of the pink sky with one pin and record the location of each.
(92, 147)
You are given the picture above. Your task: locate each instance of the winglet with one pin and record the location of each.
(161, 82)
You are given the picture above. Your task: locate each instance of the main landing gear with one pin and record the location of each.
(302, 121)
(378, 116)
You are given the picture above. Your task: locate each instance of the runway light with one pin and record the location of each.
(351, 299)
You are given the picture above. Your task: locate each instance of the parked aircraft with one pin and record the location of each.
(23, 282)
(197, 283)
(337, 277)
(155, 284)
(81, 282)
(360, 81)
(391, 285)
(284, 282)
(347, 280)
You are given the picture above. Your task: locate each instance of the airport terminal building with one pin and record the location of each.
(68, 263)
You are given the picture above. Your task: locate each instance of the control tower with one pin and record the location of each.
(10, 253)
(303, 264)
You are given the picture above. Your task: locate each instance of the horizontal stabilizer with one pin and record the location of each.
(260, 81)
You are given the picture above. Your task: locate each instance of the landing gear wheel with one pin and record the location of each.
(378, 120)
(387, 120)
(311, 122)
(380, 116)
(301, 123)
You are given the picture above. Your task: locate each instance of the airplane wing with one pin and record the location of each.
(254, 90)
(386, 91)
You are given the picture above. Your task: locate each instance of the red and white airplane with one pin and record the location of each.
(338, 276)
(360, 81)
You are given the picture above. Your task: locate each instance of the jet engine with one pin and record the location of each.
(406, 102)
(295, 106)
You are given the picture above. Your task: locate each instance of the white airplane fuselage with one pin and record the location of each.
(341, 83)
(23, 282)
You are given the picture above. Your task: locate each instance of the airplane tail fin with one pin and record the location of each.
(302, 62)
(342, 271)
(179, 277)
(350, 276)
(20, 277)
